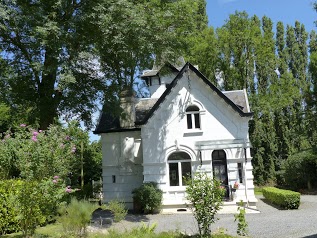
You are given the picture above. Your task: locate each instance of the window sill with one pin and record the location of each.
(193, 132)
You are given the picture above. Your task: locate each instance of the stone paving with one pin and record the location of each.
(268, 222)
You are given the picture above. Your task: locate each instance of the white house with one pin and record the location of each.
(186, 126)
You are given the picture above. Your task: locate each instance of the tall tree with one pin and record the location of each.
(45, 43)
(311, 96)
(204, 52)
(66, 53)
(236, 41)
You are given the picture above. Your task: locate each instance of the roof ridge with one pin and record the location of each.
(188, 65)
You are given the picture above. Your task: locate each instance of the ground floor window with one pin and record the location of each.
(180, 169)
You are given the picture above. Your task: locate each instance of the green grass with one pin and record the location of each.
(52, 230)
(56, 231)
(258, 191)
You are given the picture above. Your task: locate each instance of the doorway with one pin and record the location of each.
(219, 169)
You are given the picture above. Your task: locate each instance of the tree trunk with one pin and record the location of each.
(49, 99)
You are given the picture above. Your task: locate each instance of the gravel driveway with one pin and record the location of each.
(270, 222)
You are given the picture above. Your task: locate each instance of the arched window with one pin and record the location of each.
(180, 169)
(193, 117)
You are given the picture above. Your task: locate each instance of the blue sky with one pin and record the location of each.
(287, 11)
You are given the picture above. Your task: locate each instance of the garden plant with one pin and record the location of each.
(205, 195)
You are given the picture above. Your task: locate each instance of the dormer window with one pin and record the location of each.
(193, 117)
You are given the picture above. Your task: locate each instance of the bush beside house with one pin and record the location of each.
(147, 198)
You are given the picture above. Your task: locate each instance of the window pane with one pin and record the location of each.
(240, 168)
(186, 171)
(189, 121)
(197, 121)
(174, 177)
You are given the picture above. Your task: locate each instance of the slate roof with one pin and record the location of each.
(142, 108)
(109, 123)
(155, 71)
(239, 98)
(145, 108)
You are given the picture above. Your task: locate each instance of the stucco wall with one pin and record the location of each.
(121, 165)
(166, 132)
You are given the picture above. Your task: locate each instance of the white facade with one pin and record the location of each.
(131, 157)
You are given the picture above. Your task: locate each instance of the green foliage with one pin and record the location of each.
(281, 85)
(300, 170)
(29, 208)
(5, 116)
(92, 161)
(142, 231)
(58, 59)
(284, 198)
(33, 154)
(76, 216)
(205, 195)
(242, 229)
(220, 233)
(149, 197)
(8, 212)
(258, 190)
(28, 204)
(118, 210)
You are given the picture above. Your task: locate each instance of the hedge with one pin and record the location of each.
(283, 198)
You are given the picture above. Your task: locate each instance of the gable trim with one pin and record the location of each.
(200, 75)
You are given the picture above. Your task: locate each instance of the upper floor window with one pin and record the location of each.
(193, 117)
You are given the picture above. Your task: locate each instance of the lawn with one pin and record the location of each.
(258, 190)
(56, 231)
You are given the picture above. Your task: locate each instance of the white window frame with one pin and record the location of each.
(192, 118)
(180, 174)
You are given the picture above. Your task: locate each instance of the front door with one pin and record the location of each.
(219, 168)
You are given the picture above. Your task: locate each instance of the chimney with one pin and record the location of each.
(127, 104)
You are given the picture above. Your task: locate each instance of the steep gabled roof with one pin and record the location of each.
(111, 123)
(200, 75)
(145, 108)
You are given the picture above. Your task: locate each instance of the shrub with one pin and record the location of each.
(242, 229)
(76, 216)
(149, 197)
(27, 204)
(300, 170)
(284, 198)
(205, 195)
(8, 212)
(31, 154)
(118, 210)
(29, 208)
